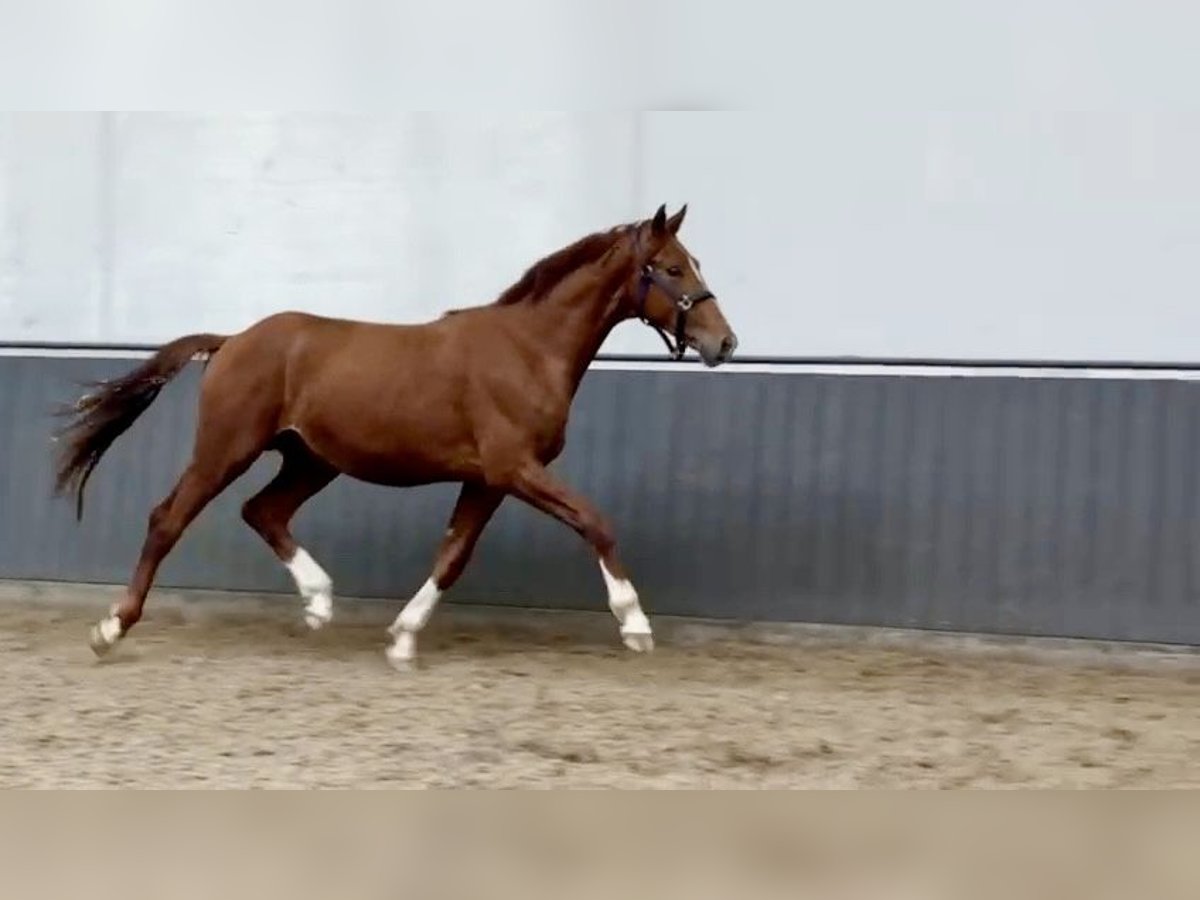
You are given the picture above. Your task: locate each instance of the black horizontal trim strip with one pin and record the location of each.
(929, 362)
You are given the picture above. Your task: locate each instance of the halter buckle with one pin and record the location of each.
(683, 305)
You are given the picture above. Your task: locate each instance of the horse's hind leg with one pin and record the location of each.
(214, 465)
(474, 509)
(268, 512)
(225, 448)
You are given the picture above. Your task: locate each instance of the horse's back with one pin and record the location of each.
(372, 399)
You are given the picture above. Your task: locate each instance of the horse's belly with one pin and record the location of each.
(425, 459)
(385, 445)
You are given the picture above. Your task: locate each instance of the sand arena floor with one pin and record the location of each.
(209, 695)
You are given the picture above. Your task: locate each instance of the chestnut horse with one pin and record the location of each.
(480, 396)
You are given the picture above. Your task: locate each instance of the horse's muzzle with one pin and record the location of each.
(716, 352)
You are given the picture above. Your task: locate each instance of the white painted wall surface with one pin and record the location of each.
(1055, 236)
(1004, 234)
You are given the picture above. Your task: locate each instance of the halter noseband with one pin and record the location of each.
(682, 301)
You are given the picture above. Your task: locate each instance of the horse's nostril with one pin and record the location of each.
(728, 345)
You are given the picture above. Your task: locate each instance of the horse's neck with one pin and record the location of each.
(579, 315)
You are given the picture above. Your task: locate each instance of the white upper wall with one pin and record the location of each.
(1004, 234)
(221, 220)
(961, 235)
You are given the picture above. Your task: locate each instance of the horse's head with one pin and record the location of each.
(671, 295)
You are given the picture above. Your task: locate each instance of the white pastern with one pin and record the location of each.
(403, 651)
(417, 611)
(623, 601)
(105, 634)
(410, 621)
(110, 630)
(315, 586)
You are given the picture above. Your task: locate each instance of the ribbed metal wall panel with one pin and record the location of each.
(1053, 506)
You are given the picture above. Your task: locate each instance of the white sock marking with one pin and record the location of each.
(417, 611)
(110, 629)
(403, 649)
(412, 619)
(314, 585)
(623, 601)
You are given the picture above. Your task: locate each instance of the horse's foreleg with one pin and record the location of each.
(537, 487)
(474, 509)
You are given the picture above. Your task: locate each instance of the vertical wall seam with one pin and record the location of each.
(107, 224)
(637, 170)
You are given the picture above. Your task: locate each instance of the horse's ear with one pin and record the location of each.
(659, 225)
(676, 220)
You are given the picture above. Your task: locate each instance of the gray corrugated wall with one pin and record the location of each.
(1023, 505)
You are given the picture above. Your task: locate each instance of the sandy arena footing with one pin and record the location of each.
(233, 691)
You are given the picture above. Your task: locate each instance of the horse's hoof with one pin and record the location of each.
(104, 635)
(97, 643)
(399, 661)
(314, 621)
(639, 643)
(402, 653)
(319, 612)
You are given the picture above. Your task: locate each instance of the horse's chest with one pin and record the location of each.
(530, 407)
(546, 423)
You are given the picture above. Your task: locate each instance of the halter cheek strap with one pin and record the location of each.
(682, 301)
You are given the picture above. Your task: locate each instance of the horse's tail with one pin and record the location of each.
(98, 418)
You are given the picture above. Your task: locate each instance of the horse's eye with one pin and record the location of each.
(675, 271)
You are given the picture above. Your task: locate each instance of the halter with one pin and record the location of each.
(682, 301)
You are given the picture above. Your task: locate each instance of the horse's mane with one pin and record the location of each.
(542, 277)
